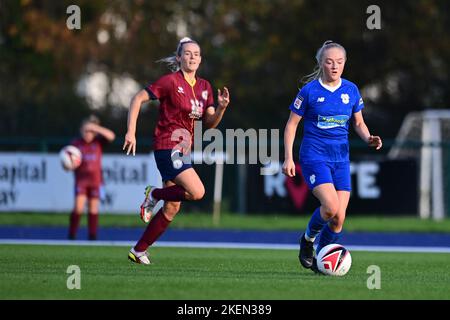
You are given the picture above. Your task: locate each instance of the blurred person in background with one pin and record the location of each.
(88, 176)
(184, 97)
(327, 104)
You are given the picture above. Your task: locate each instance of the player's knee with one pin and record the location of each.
(173, 206)
(171, 209)
(198, 193)
(330, 210)
(337, 222)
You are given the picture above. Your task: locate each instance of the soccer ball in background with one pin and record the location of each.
(334, 260)
(70, 157)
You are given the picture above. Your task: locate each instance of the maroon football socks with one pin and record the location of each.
(92, 225)
(155, 228)
(74, 223)
(172, 193)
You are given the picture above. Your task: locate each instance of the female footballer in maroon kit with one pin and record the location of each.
(184, 98)
(88, 176)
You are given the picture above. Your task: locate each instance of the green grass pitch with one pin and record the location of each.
(40, 272)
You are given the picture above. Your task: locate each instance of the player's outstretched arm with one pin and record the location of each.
(362, 130)
(289, 136)
(108, 134)
(133, 113)
(213, 117)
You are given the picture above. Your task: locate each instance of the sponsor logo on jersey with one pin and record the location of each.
(298, 102)
(345, 98)
(321, 99)
(328, 122)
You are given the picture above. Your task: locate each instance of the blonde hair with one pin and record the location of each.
(318, 70)
(171, 61)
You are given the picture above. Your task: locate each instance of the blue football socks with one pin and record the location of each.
(327, 236)
(315, 225)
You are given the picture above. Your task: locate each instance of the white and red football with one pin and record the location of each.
(334, 260)
(70, 157)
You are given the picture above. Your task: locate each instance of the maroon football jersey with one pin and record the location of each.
(180, 105)
(90, 170)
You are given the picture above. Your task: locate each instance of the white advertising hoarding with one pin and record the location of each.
(37, 182)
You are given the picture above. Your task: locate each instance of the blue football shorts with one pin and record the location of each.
(337, 173)
(171, 163)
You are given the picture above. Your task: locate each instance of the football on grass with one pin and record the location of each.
(334, 260)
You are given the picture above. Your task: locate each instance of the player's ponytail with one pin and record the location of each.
(318, 70)
(171, 61)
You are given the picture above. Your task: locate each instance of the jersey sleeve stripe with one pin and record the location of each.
(151, 94)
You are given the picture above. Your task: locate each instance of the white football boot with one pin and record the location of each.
(148, 205)
(138, 257)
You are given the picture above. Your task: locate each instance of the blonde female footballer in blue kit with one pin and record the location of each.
(327, 104)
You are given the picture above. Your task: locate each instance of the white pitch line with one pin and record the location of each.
(399, 249)
(225, 245)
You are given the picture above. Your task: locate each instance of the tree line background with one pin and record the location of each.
(259, 49)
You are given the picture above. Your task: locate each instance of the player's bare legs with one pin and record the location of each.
(329, 200)
(186, 186)
(93, 205)
(171, 208)
(193, 186)
(331, 232)
(337, 222)
(329, 207)
(80, 201)
(156, 227)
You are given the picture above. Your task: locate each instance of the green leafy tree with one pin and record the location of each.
(260, 49)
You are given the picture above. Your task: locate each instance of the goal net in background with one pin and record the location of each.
(425, 136)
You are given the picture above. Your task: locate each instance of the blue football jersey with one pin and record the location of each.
(326, 112)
